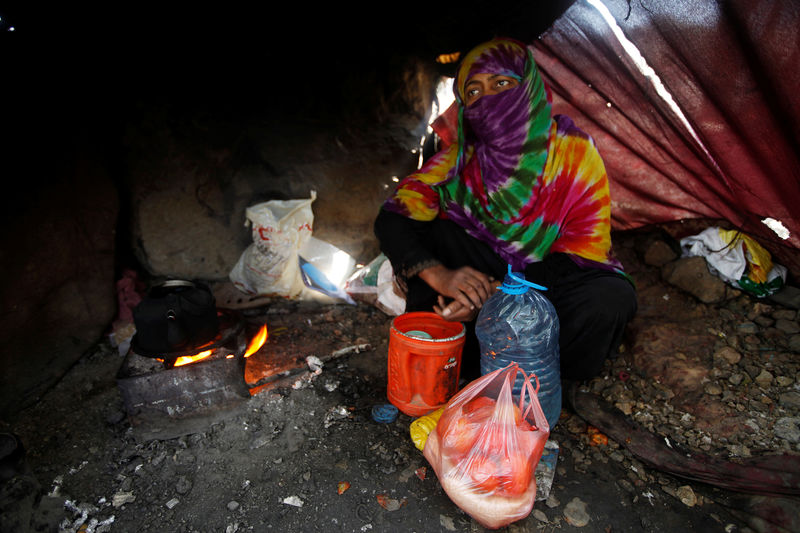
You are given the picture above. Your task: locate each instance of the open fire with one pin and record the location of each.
(171, 394)
(255, 344)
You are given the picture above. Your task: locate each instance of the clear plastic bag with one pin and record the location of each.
(486, 446)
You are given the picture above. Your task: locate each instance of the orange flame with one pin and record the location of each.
(186, 359)
(257, 342)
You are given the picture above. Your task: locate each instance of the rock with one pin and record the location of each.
(659, 254)
(752, 370)
(752, 423)
(576, 513)
(794, 343)
(763, 321)
(790, 327)
(739, 450)
(788, 428)
(575, 425)
(747, 328)
(713, 389)
(759, 309)
(691, 275)
(447, 522)
(788, 296)
(552, 501)
(784, 381)
(763, 379)
(183, 486)
(232, 505)
(785, 314)
(789, 400)
(626, 485)
(625, 406)
(735, 379)
(578, 456)
(172, 503)
(752, 342)
(728, 354)
(261, 440)
(538, 515)
(121, 498)
(686, 496)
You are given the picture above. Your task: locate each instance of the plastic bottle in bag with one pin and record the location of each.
(517, 324)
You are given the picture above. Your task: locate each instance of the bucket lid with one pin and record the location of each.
(418, 329)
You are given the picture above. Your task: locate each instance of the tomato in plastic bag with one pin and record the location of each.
(486, 446)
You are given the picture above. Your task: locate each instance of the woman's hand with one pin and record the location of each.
(465, 285)
(454, 311)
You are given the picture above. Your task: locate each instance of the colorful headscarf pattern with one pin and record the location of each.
(524, 182)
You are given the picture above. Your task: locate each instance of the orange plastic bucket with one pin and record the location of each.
(424, 361)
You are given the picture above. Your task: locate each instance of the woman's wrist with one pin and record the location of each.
(433, 276)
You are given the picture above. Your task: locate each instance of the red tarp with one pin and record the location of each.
(732, 67)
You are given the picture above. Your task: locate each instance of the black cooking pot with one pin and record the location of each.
(175, 316)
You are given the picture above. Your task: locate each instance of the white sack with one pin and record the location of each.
(269, 266)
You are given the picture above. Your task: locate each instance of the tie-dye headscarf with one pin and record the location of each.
(524, 182)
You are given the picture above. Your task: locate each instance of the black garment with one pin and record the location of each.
(593, 305)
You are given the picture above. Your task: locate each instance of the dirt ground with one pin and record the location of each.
(277, 461)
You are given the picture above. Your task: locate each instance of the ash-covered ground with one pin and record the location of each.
(721, 379)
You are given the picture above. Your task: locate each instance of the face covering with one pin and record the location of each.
(525, 182)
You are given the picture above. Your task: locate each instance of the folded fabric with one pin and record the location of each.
(737, 259)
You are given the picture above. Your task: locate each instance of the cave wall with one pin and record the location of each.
(140, 144)
(191, 168)
(158, 179)
(58, 256)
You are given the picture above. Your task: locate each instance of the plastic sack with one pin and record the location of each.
(374, 284)
(389, 299)
(325, 268)
(486, 446)
(269, 266)
(737, 259)
(362, 286)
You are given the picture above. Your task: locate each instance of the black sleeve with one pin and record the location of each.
(401, 241)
